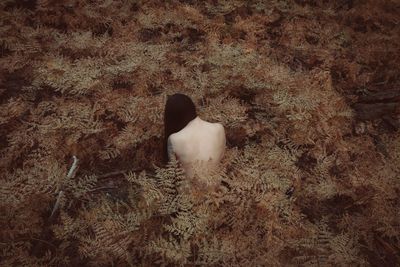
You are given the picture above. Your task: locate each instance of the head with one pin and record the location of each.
(179, 111)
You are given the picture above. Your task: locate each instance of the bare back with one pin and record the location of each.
(199, 141)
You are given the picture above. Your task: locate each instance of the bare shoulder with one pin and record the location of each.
(220, 130)
(221, 134)
(219, 127)
(173, 138)
(177, 140)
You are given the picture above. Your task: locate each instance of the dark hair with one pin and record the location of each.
(179, 111)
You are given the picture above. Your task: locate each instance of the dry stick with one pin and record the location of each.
(70, 175)
(46, 229)
(57, 204)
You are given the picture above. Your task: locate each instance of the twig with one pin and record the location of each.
(57, 204)
(73, 167)
(70, 175)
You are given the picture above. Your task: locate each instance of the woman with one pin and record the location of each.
(190, 138)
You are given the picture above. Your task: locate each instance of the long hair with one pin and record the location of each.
(179, 111)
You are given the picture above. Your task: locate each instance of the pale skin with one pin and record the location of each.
(198, 141)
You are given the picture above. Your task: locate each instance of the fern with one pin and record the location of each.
(303, 182)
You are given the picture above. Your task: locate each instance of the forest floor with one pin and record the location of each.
(308, 92)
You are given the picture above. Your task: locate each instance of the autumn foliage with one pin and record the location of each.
(308, 93)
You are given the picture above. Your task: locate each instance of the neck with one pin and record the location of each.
(194, 120)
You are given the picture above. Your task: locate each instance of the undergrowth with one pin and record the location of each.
(306, 180)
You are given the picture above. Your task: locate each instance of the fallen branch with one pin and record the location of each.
(71, 174)
(57, 204)
(73, 168)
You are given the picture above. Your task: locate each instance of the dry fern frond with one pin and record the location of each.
(306, 180)
(170, 250)
(226, 110)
